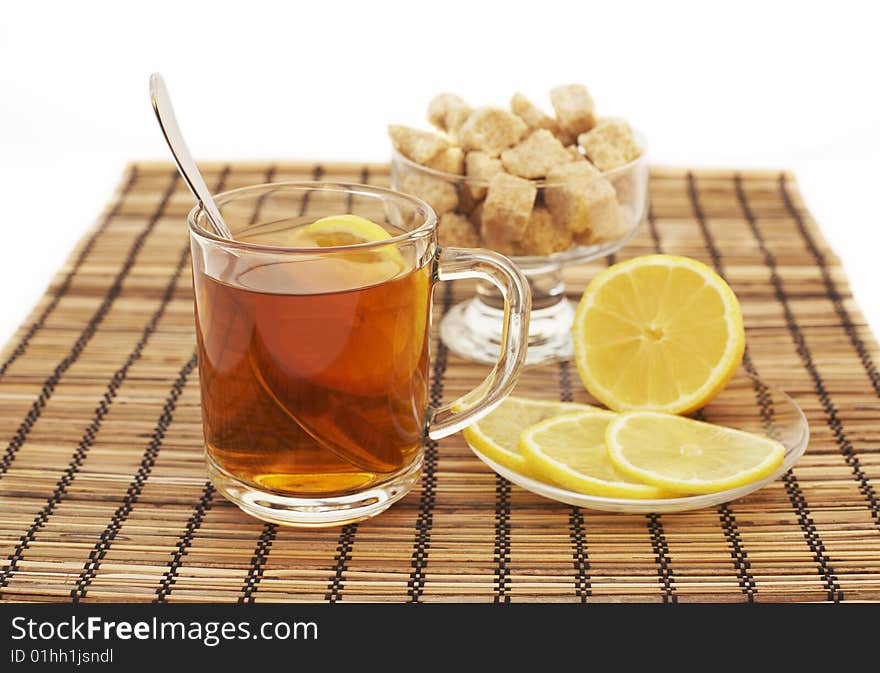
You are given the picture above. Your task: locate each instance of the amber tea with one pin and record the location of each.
(315, 391)
(313, 329)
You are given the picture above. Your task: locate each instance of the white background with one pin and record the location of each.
(748, 84)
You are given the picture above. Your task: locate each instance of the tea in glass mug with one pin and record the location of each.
(313, 330)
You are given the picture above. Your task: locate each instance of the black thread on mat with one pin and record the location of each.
(317, 176)
(565, 390)
(738, 553)
(148, 459)
(765, 404)
(93, 428)
(834, 422)
(805, 353)
(365, 180)
(576, 531)
(795, 493)
(662, 558)
(811, 535)
(502, 539)
(831, 289)
(39, 404)
(206, 500)
(184, 542)
(135, 487)
(258, 562)
(580, 554)
(428, 497)
(729, 525)
(653, 230)
(270, 530)
(261, 199)
(665, 574)
(730, 528)
(64, 288)
(341, 559)
(345, 542)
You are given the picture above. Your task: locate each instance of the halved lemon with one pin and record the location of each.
(687, 456)
(658, 332)
(497, 434)
(569, 450)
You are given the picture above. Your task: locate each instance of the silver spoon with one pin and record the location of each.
(185, 164)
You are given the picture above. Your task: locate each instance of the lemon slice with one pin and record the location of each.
(688, 456)
(569, 450)
(345, 229)
(496, 435)
(349, 268)
(338, 230)
(658, 332)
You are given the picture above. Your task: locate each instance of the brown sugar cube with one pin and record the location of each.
(575, 153)
(420, 146)
(455, 229)
(480, 166)
(491, 130)
(534, 117)
(437, 193)
(506, 211)
(606, 221)
(627, 188)
(566, 138)
(631, 191)
(582, 200)
(476, 216)
(609, 144)
(448, 112)
(572, 171)
(535, 155)
(545, 235)
(574, 107)
(509, 249)
(466, 201)
(450, 160)
(609, 224)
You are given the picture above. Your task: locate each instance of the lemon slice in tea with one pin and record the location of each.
(336, 230)
(368, 304)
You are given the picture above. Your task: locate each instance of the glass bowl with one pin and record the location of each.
(746, 404)
(472, 329)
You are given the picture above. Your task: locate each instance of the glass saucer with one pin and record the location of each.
(746, 404)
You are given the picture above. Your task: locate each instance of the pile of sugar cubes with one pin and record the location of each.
(519, 181)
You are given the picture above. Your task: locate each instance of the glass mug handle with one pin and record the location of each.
(455, 263)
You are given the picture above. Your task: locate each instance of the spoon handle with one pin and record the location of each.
(179, 150)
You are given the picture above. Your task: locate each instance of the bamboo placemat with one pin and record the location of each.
(103, 495)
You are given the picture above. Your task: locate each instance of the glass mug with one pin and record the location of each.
(314, 361)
